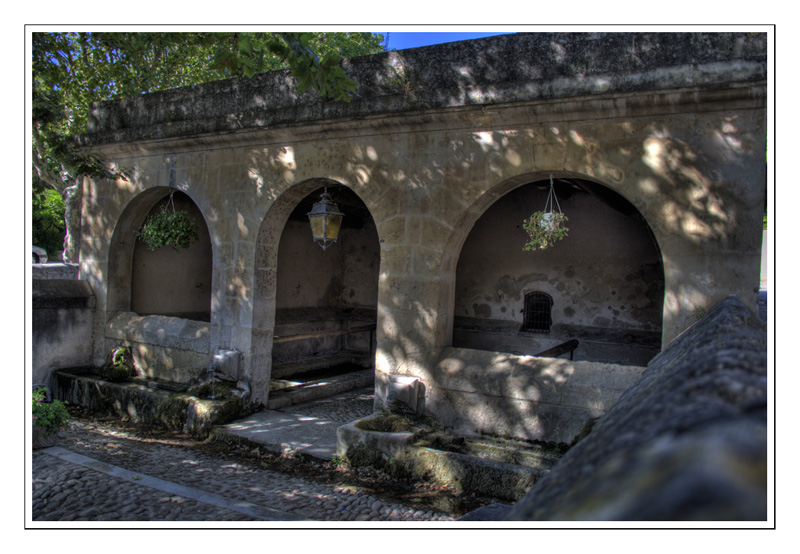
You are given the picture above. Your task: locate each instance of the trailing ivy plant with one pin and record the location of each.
(169, 227)
(544, 229)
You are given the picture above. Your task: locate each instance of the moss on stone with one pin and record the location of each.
(385, 423)
(218, 390)
(172, 411)
(119, 365)
(439, 439)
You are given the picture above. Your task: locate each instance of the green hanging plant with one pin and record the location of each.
(546, 227)
(174, 228)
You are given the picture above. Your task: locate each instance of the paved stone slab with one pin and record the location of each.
(286, 433)
(308, 428)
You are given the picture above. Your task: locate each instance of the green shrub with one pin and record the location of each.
(50, 416)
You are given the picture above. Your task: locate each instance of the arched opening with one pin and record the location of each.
(604, 282)
(171, 282)
(325, 301)
(153, 303)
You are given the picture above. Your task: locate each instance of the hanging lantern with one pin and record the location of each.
(325, 219)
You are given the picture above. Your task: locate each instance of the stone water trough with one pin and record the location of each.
(194, 410)
(491, 467)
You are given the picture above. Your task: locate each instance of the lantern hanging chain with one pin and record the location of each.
(551, 197)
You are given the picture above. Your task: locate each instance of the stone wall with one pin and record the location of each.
(687, 442)
(62, 321)
(673, 123)
(495, 393)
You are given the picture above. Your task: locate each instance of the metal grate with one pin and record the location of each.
(537, 314)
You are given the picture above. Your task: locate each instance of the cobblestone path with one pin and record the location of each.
(126, 479)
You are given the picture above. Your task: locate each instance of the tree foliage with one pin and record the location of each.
(47, 219)
(72, 70)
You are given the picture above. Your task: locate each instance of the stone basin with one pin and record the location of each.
(146, 401)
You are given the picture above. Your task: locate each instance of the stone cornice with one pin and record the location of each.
(490, 117)
(486, 73)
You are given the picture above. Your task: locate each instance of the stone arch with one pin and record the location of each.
(508, 295)
(284, 244)
(136, 274)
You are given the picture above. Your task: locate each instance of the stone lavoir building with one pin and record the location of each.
(655, 145)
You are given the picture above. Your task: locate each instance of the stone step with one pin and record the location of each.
(285, 370)
(296, 392)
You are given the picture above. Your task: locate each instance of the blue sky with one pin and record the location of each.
(401, 41)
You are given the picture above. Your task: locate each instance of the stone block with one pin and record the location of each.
(491, 512)
(63, 315)
(227, 362)
(405, 390)
(55, 270)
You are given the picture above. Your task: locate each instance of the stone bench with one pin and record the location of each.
(309, 332)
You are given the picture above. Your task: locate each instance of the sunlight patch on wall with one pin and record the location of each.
(240, 222)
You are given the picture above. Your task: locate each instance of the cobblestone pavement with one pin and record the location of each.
(126, 479)
(341, 408)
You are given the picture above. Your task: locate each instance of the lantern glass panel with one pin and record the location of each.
(333, 223)
(317, 226)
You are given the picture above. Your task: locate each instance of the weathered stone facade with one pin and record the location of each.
(661, 137)
(62, 320)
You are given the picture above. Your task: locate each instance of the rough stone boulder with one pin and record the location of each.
(687, 442)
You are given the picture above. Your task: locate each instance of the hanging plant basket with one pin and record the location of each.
(169, 227)
(546, 227)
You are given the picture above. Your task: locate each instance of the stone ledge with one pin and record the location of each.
(164, 331)
(56, 293)
(550, 399)
(56, 270)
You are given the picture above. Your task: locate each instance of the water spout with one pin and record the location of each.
(212, 367)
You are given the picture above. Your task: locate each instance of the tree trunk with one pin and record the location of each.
(72, 201)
